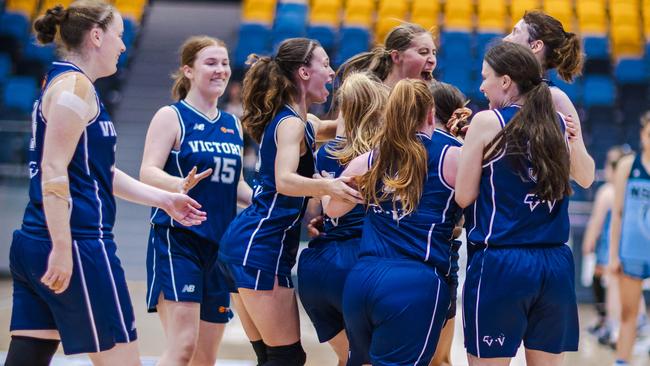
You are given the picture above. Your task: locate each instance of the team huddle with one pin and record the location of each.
(400, 172)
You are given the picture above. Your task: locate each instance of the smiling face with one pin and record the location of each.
(317, 75)
(210, 72)
(109, 44)
(419, 60)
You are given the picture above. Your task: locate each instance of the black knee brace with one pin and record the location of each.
(29, 351)
(291, 355)
(260, 351)
(600, 293)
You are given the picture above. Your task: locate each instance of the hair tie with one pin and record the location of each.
(458, 120)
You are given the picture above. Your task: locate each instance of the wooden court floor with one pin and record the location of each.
(236, 351)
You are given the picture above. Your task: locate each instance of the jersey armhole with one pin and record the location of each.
(181, 125)
(441, 163)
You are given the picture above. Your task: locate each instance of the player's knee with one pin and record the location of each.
(291, 355)
(29, 351)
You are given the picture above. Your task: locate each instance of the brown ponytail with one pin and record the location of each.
(400, 167)
(72, 24)
(269, 83)
(563, 50)
(534, 132)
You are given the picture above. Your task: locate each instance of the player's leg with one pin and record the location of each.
(630, 295)
(181, 325)
(341, 346)
(123, 354)
(275, 315)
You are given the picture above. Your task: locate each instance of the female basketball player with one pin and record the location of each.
(68, 282)
(324, 266)
(556, 49)
(515, 164)
(259, 248)
(596, 239)
(396, 299)
(451, 120)
(629, 235)
(184, 283)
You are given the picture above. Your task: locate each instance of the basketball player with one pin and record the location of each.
(557, 49)
(324, 266)
(259, 248)
(184, 284)
(629, 235)
(396, 299)
(515, 168)
(68, 282)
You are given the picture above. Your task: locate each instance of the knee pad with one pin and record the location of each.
(291, 355)
(260, 351)
(29, 351)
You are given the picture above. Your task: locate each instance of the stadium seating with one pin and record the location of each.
(19, 94)
(425, 13)
(491, 16)
(519, 7)
(258, 11)
(359, 13)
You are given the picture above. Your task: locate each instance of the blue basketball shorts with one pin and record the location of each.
(322, 272)
(515, 294)
(394, 310)
(182, 266)
(92, 315)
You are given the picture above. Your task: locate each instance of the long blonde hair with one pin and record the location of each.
(400, 162)
(362, 98)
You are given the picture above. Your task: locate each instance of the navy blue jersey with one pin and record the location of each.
(425, 234)
(207, 143)
(266, 234)
(349, 225)
(635, 233)
(507, 212)
(90, 171)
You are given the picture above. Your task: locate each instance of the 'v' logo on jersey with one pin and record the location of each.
(108, 129)
(533, 201)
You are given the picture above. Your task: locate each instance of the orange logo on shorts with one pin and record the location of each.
(223, 309)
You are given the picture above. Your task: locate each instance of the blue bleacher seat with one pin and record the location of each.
(484, 40)
(253, 38)
(14, 25)
(631, 71)
(455, 45)
(596, 48)
(598, 91)
(19, 93)
(5, 67)
(290, 21)
(459, 75)
(35, 52)
(325, 35)
(357, 40)
(572, 90)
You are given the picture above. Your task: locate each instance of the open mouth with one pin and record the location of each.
(426, 75)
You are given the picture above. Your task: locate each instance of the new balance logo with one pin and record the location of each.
(500, 340)
(188, 288)
(199, 126)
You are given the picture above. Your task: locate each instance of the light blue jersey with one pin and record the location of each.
(635, 233)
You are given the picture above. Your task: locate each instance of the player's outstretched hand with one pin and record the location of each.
(340, 188)
(192, 179)
(315, 226)
(59, 269)
(184, 209)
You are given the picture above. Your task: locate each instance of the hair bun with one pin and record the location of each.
(45, 25)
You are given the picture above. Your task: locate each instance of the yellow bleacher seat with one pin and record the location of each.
(592, 17)
(624, 13)
(326, 12)
(491, 16)
(359, 13)
(383, 27)
(48, 4)
(131, 9)
(389, 14)
(626, 41)
(26, 7)
(561, 10)
(645, 11)
(258, 11)
(459, 15)
(425, 13)
(519, 7)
